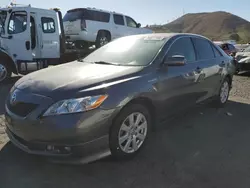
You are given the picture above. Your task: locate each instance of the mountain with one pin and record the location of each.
(215, 25)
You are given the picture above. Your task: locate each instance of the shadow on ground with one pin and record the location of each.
(204, 148)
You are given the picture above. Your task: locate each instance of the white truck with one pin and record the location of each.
(29, 40)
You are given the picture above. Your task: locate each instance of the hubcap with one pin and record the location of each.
(133, 132)
(3, 72)
(224, 92)
(103, 41)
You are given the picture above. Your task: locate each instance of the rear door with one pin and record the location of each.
(120, 29)
(209, 67)
(18, 31)
(49, 35)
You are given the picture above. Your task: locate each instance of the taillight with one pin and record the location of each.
(83, 24)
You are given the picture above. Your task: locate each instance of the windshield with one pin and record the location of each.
(3, 15)
(130, 51)
(247, 49)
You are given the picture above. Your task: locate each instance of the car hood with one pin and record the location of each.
(72, 77)
(244, 54)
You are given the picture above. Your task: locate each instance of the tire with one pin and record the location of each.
(222, 97)
(132, 140)
(5, 71)
(102, 39)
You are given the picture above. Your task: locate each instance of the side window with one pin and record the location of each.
(118, 19)
(203, 48)
(224, 47)
(131, 22)
(216, 51)
(97, 16)
(184, 47)
(17, 22)
(231, 47)
(48, 25)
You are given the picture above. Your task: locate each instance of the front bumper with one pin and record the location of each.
(79, 134)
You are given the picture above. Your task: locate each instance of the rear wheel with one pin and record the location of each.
(5, 71)
(130, 131)
(223, 95)
(102, 39)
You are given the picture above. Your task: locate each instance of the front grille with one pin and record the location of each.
(21, 108)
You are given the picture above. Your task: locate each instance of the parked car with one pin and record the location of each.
(86, 26)
(228, 48)
(243, 59)
(108, 102)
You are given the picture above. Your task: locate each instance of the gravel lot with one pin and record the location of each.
(205, 148)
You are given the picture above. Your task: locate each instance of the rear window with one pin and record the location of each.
(76, 14)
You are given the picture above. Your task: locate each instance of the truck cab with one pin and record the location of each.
(29, 40)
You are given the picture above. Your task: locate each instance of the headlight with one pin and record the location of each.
(75, 105)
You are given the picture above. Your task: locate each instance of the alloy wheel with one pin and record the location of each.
(103, 40)
(133, 132)
(224, 92)
(3, 72)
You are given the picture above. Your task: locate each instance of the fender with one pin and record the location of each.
(5, 55)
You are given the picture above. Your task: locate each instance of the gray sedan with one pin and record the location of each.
(108, 102)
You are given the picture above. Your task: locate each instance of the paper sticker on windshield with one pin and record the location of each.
(154, 38)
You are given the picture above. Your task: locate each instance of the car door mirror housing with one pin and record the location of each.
(138, 25)
(176, 60)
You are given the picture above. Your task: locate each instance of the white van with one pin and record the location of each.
(85, 26)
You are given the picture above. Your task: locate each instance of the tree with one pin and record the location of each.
(235, 37)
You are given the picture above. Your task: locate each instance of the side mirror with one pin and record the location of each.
(176, 60)
(138, 25)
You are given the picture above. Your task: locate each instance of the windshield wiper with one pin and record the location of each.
(104, 63)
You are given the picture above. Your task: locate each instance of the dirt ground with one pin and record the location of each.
(205, 148)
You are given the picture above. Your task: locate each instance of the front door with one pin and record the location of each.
(178, 86)
(18, 34)
(132, 26)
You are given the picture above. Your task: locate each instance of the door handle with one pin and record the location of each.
(27, 45)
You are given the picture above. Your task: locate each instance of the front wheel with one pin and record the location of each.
(5, 71)
(129, 131)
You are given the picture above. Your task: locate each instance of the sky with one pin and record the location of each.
(146, 12)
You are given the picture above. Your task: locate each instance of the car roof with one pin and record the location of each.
(170, 35)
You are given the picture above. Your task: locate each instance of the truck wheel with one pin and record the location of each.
(102, 39)
(5, 71)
